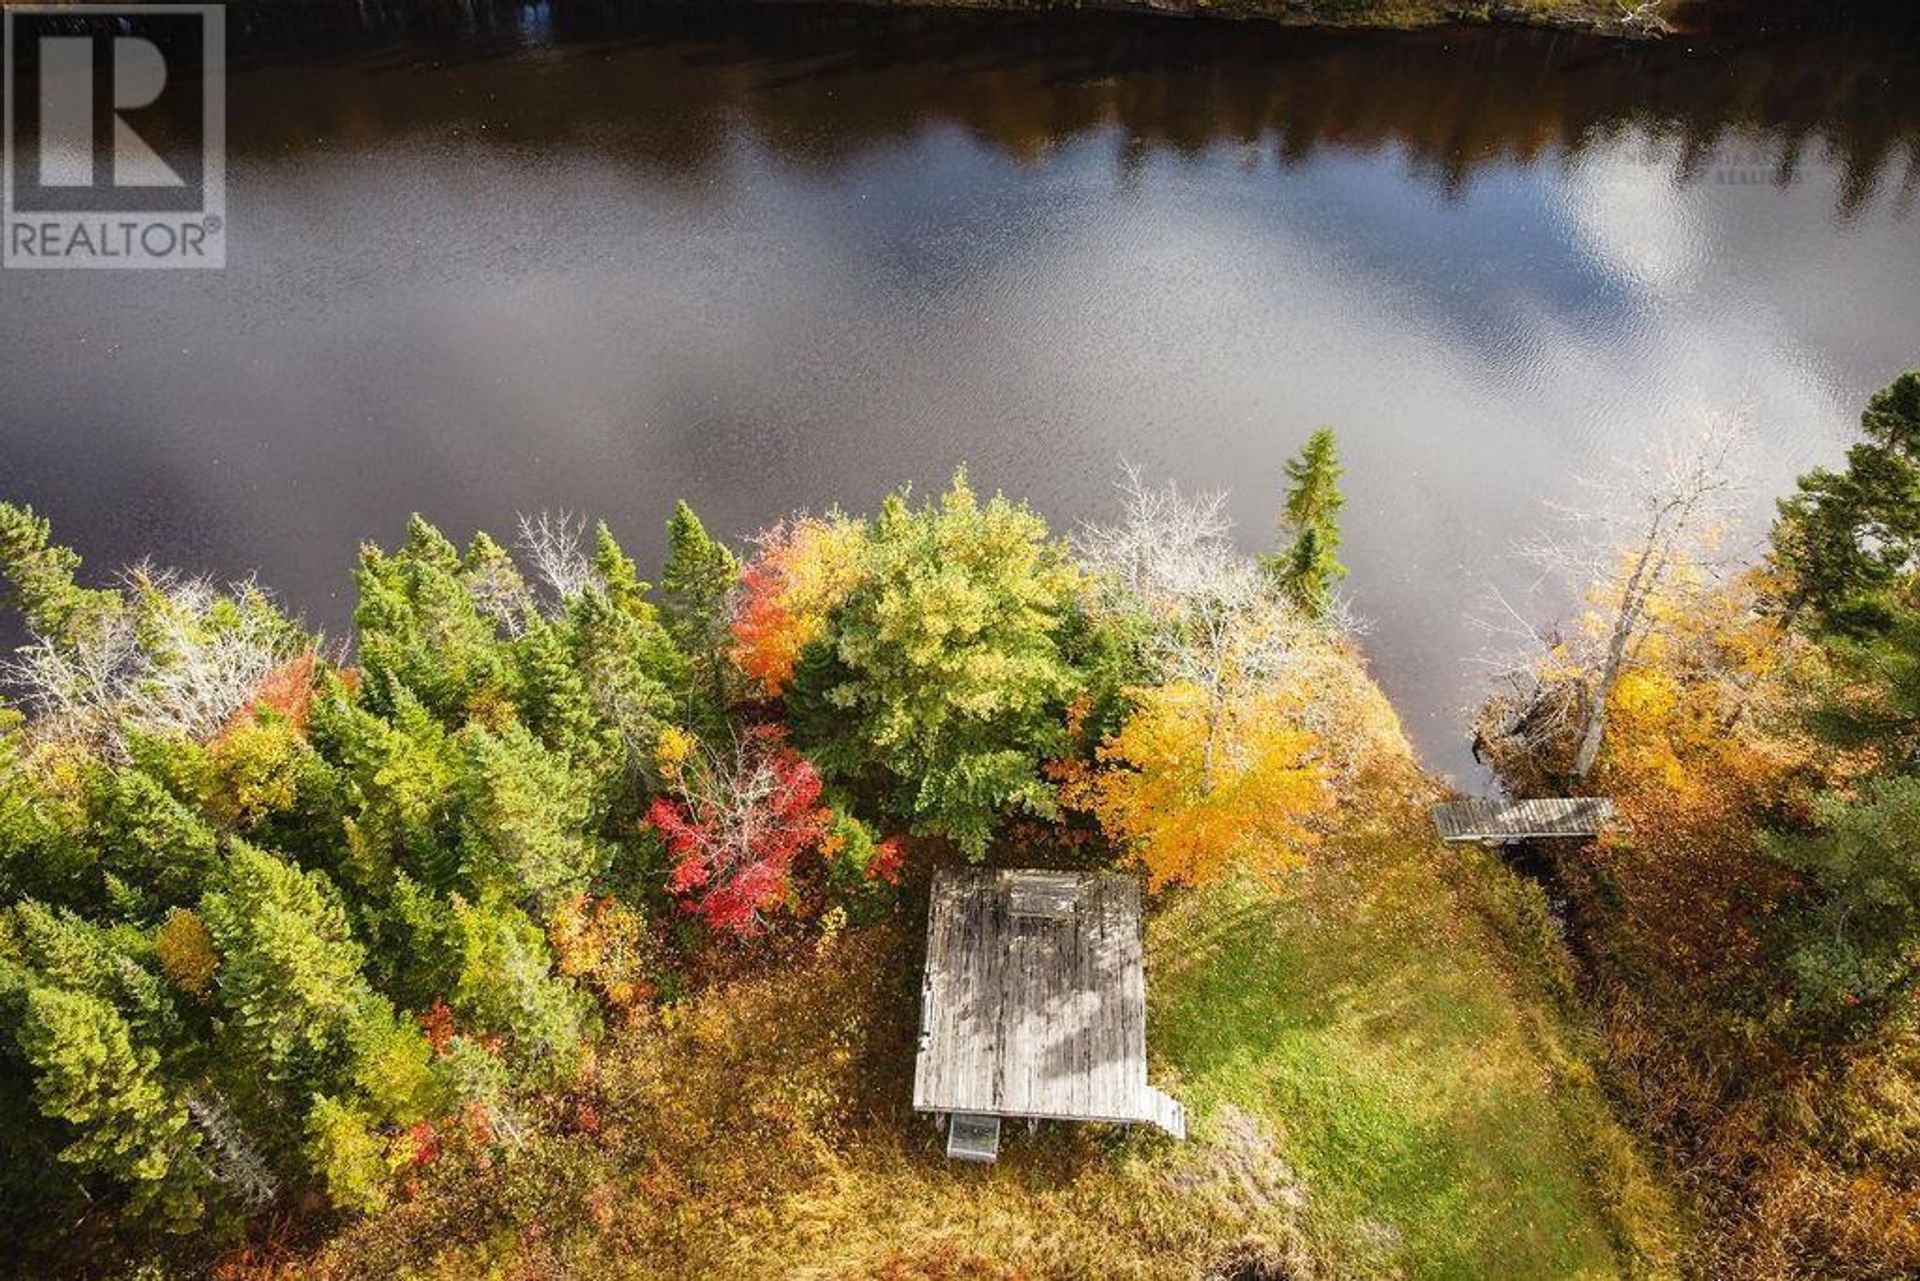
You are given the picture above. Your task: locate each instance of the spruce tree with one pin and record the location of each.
(39, 575)
(1845, 539)
(526, 820)
(1308, 567)
(122, 1122)
(290, 977)
(421, 627)
(694, 585)
(1852, 942)
(506, 985)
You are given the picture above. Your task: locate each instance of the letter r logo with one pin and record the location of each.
(67, 141)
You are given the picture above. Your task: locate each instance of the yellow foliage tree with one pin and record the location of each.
(184, 947)
(1194, 787)
(1700, 707)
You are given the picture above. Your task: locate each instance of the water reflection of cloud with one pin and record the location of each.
(1214, 324)
(765, 297)
(1640, 222)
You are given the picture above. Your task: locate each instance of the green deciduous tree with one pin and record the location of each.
(348, 1157)
(942, 676)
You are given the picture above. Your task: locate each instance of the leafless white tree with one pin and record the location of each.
(239, 1164)
(501, 594)
(1649, 528)
(555, 546)
(182, 657)
(1166, 548)
(1211, 616)
(196, 671)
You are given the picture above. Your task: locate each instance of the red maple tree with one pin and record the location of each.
(735, 826)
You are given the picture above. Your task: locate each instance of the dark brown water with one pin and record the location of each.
(484, 262)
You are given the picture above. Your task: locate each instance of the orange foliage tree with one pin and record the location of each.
(804, 568)
(1194, 789)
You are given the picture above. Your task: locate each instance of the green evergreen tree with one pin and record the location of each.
(556, 703)
(40, 575)
(699, 575)
(616, 573)
(506, 984)
(631, 669)
(525, 820)
(299, 1020)
(399, 781)
(495, 584)
(420, 628)
(1847, 539)
(1308, 567)
(124, 1124)
(116, 965)
(290, 980)
(157, 847)
(1852, 948)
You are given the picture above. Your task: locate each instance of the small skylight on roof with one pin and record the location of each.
(1050, 896)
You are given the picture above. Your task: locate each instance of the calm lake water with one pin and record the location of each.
(575, 257)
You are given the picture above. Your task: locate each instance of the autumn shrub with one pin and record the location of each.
(862, 870)
(184, 949)
(606, 944)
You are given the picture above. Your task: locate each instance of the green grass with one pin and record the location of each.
(1410, 1064)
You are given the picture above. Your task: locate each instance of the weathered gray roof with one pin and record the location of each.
(1481, 820)
(1035, 1001)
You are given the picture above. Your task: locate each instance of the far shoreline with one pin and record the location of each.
(1652, 20)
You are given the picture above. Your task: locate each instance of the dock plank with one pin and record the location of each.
(1495, 820)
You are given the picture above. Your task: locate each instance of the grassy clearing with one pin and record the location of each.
(1379, 1079)
(1392, 1017)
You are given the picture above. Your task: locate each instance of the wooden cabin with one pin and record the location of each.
(1034, 1006)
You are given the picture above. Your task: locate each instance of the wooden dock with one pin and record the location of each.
(1035, 1001)
(1483, 820)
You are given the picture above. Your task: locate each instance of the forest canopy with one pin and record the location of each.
(288, 917)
